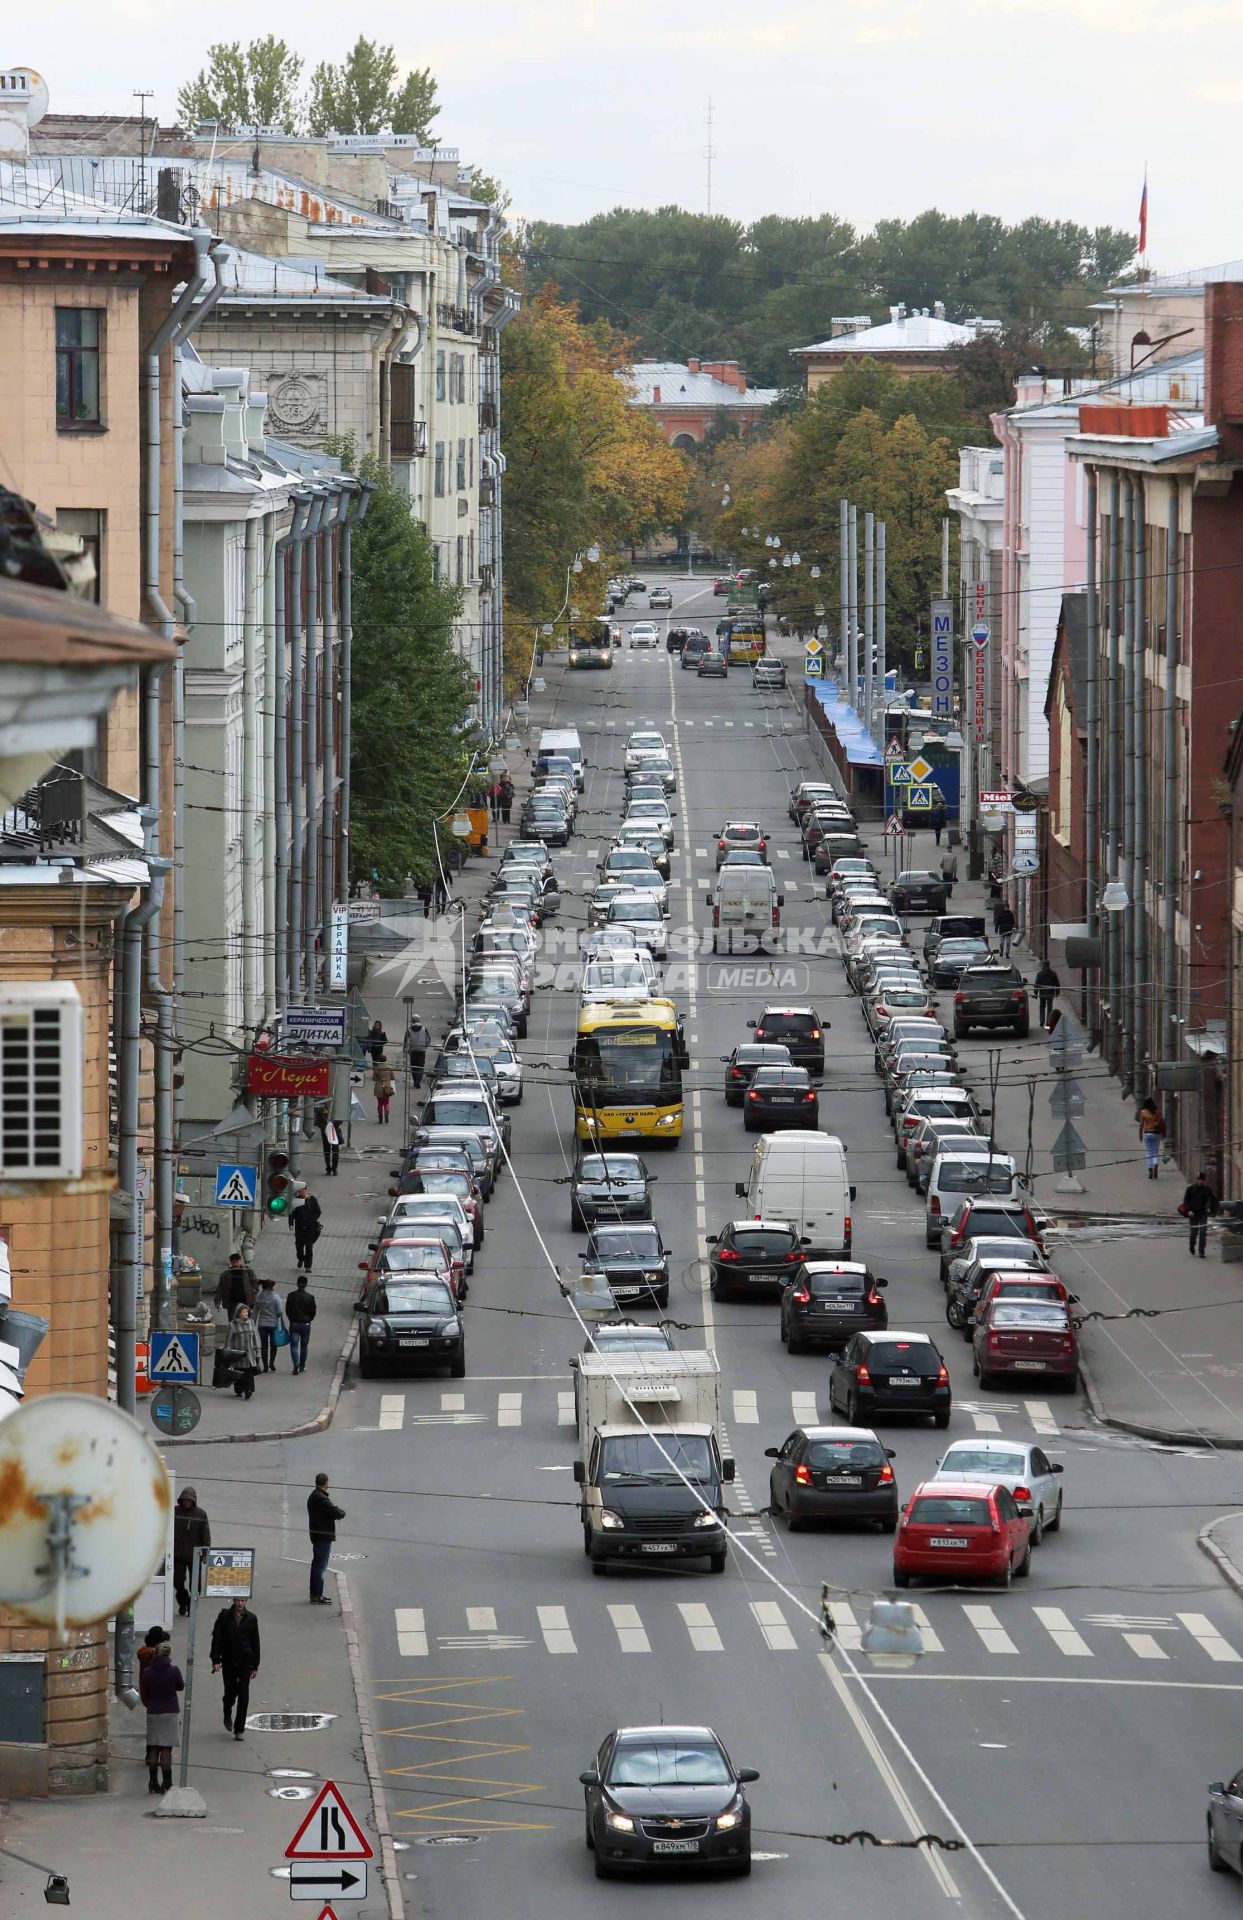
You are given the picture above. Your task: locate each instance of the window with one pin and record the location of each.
(461, 466)
(438, 478)
(440, 376)
(88, 524)
(78, 332)
(461, 560)
(470, 556)
(472, 463)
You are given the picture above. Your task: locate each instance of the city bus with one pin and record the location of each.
(743, 639)
(627, 1065)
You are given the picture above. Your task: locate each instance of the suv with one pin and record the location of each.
(768, 672)
(953, 926)
(798, 1028)
(740, 833)
(659, 597)
(991, 996)
(742, 1065)
(694, 648)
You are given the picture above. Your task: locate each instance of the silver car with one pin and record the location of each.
(1021, 1465)
(610, 1186)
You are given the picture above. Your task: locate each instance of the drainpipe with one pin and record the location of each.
(843, 594)
(250, 716)
(165, 1040)
(1139, 865)
(869, 615)
(357, 512)
(301, 501)
(1113, 763)
(345, 489)
(1169, 835)
(1128, 779)
(1091, 800)
(852, 603)
(271, 685)
(310, 754)
(303, 562)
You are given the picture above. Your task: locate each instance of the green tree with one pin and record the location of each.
(362, 95)
(411, 692)
(254, 87)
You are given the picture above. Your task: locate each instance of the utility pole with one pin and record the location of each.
(869, 619)
(882, 665)
(142, 95)
(852, 590)
(844, 591)
(709, 155)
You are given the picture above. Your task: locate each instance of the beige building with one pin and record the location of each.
(1157, 319)
(907, 342)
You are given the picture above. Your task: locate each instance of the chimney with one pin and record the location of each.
(692, 366)
(895, 314)
(656, 396)
(1223, 358)
(17, 100)
(938, 309)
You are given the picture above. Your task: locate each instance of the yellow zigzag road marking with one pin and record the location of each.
(443, 1767)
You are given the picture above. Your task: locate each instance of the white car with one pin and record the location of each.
(1015, 1464)
(430, 1209)
(643, 634)
(640, 915)
(618, 977)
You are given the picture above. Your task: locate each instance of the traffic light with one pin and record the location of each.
(276, 1182)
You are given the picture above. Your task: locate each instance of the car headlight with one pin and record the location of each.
(732, 1817)
(668, 1120)
(656, 1274)
(610, 1521)
(450, 1329)
(706, 1519)
(620, 1822)
(377, 1330)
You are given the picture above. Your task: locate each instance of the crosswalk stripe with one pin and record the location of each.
(748, 723)
(729, 723)
(772, 1624)
(555, 1626)
(986, 1423)
(1040, 1413)
(699, 1624)
(701, 853)
(453, 1403)
(392, 1411)
(990, 1630)
(709, 723)
(398, 1410)
(702, 882)
(565, 1409)
(1064, 1637)
(1201, 1628)
(631, 1637)
(481, 1619)
(783, 853)
(932, 1639)
(803, 1406)
(509, 1409)
(849, 1632)
(1145, 1647)
(411, 1631)
(746, 1413)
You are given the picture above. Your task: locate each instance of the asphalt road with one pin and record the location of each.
(1068, 1726)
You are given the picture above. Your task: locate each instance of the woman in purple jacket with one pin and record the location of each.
(159, 1684)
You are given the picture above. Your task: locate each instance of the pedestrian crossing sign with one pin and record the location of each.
(919, 799)
(175, 1356)
(236, 1186)
(899, 773)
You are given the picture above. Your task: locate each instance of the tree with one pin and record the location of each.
(988, 366)
(258, 87)
(361, 95)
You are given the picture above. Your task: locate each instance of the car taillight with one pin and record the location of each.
(720, 843)
(994, 1523)
(1022, 1493)
(873, 1298)
(716, 916)
(762, 844)
(934, 1205)
(815, 1033)
(994, 1339)
(753, 1095)
(795, 1253)
(1017, 999)
(943, 1378)
(960, 999)
(885, 1478)
(726, 1253)
(776, 917)
(862, 1376)
(846, 1232)
(802, 1295)
(802, 1476)
(735, 1073)
(1067, 1343)
(811, 1095)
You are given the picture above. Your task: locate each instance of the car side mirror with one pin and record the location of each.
(1217, 1786)
(747, 1775)
(712, 1239)
(740, 1189)
(360, 1306)
(1027, 1513)
(578, 1473)
(1055, 1466)
(853, 1192)
(891, 1455)
(589, 1776)
(804, 1240)
(880, 1283)
(363, 1265)
(772, 1453)
(711, 899)
(781, 899)
(728, 1469)
(751, 1024)
(373, 1244)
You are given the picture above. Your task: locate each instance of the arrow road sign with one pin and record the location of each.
(1069, 1153)
(311, 1880)
(329, 1831)
(175, 1356)
(236, 1186)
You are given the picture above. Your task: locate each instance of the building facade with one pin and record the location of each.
(907, 342)
(686, 400)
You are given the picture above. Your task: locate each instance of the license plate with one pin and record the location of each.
(405, 1341)
(675, 1846)
(625, 1289)
(844, 1480)
(831, 1306)
(1037, 1366)
(904, 1383)
(938, 1541)
(658, 1546)
(782, 1100)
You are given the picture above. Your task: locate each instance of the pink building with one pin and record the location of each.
(685, 398)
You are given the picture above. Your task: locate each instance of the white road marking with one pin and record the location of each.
(452, 1402)
(746, 1413)
(990, 1630)
(509, 1409)
(783, 853)
(849, 1632)
(481, 1619)
(704, 883)
(986, 1423)
(1040, 1413)
(392, 1411)
(565, 1409)
(932, 1639)
(1201, 1628)
(772, 1624)
(1144, 1647)
(701, 853)
(748, 723)
(631, 1637)
(803, 1407)
(728, 723)
(709, 723)
(555, 1627)
(480, 1642)
(411, 1631)
(1064, 1637)
(699, 1624)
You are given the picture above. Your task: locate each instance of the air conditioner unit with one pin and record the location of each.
(41, 1044)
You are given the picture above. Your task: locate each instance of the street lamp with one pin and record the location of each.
(892, 1637)
(769, 541)
(593, 554)
(815, 573)
(773, 560)
(1115, 898)
(786, 560)
(796, 559)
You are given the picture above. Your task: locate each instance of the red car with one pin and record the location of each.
(409, 1253)
(954, 1530)
(1027, 1337)
(725, 585)
(1013, 1285)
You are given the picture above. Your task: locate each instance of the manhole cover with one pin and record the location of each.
(291, 1773)
(290, 1793)
(289, 1722)
(449, 1840)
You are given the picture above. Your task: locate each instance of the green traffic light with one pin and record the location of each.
(278, 1203)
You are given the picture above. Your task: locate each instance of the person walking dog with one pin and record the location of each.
(322, 1517)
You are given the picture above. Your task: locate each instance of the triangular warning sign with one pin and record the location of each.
(175, 1359)
(236, 1191)
(327, 1914)
(329, 1831)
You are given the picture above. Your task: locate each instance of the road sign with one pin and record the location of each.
(894, 830)
(920, 768)
(919, 799)
(894, 751)
(812, 646)
(315, 1026)
(900, 775)
(979, 634)
(329, 1831)
(176, 1410)
(1025, 862)
(813, 667)
(175, 1356)
(316, 1880)
(1069, 1153)
(227, 1573)
(236, 1186)
(1066, 1101)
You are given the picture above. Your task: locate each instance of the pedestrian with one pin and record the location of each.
(949, 871)
(507, 797)
(494, 799)
(300, 1310)
(383, 1083)
(375, 1042)
(425, 900)
(305, 1221)
(235, 1652)
(938, 819)
(1004, 923)
(159, 1683)
(268, 1318)
(1047, 988)
(237, 1285)
(191, 1529)
(322, 1517)
(243, 1353)
(994, 884)
(418, 1040)
(1198, 1202)
(440, 894)
(1152, 1133)
(330, 1137)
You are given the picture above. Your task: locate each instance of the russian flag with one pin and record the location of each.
(1143, 216)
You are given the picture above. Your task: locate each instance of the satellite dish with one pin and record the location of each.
(40, 98)
(68, 1444)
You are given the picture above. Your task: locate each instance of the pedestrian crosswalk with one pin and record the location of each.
(553, 1406)
(954, 1629)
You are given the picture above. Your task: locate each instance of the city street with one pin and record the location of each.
(1068, 1726)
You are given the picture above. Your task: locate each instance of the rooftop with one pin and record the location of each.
(254, 275)
(680, 385)
(903, 332)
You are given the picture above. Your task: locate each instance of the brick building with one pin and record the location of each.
(685, 400)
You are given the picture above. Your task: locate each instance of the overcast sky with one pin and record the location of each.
(866, 108)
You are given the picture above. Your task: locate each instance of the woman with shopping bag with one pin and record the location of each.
(269, 1323)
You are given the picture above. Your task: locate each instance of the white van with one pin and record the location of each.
(801, 1176)
(563, 741)
(745, 901)
(957, 1172)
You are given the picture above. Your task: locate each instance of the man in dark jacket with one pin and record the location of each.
(322, 1517)
(237, 1286)
(1047, 988)
(300, 1310)
(235, 1649)
(190, 1530)
(1198, 1202)
(418, 1040)
(304, 1219)
(1005, 923)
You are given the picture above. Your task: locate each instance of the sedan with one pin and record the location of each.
(749, 1254)
(832, 1473)
(918, 890)
(740, 833)
(653, 813)
(1022, 1466)
(550, 821)
(890, 1373)
(954, 1530)
(897, 995)
(768, 675)
(643, 634)
(742, 1065)
(640, 915)
(410, 1320)
(666, 1796)
(610, 1186)
(659, 597)
(648, 841)
(950, 958)
(780, 1097)
(1026, 1337)
(633, 1259)
(827, 1302)
(712, 666)
(601, 899)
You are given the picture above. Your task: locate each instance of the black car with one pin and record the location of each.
(711, 666)
(742, 1064)
(798, 1028)
(829, 1300)
(890, 1373)
(749, 1254)
(952, 956)
(667, 1797)
(409, 1320)
(548, 820)
(694, 647)
(991, 996)
(952, 926)
(918, 890)
(610, 1186)
(675, 639)
(633, 1259)
(780, 1097)
(833, 1473)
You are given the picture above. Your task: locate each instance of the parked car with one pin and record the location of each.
(955, 1530)
(780, 1097)
(964, 1289)
(890, 1372)
(1028, 1337)
(832, 1473)
(950, 958)
(918, 890)
(984, 1215)
(827, 1301)
(667, 1797)
(1021, 1466)
(991, 996)
(410, 1320)
(798, 1028)
(747, 1255)
(952, 926)
(742, 1064)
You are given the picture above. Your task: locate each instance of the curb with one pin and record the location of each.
(316, 1424)
(1218, 1555)
(1143, 1430)
(371, 1760)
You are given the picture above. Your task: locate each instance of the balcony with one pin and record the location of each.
(409, 439)
(455, 319)
(487, 411)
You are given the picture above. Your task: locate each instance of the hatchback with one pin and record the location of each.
(694, 647)
(741, 833)
(890, 1373)
(973, 1217)
(780, 1097)
(643, 634)
(666, 1796)
(744, 1062)
(806, 794)
(1022, 1466)
(798, 1028)
(962, 1530)
(832, 1473)
(712, 666)
(767, 674)
(749, 1254)
(965, 1290)
(659, 597)
(827, 1301)
(1027, 1337)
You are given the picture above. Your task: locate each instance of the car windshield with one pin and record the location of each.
(835, 1284)
(903, 1355)
(610, 1166)
(647, 810)
(648, 1456)
(975, 1176)
(995, 1460)
(945, 1510)
(616, 1242)
(445, 1182)
(413, 1296)
(1000, 1226)
(669, 1763)
(1029, 1313)
(406, 1259)
(843, 1453)
(629, 910)
(990, 978)
(756, 1241)
(635, 857)
(453, 1111)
